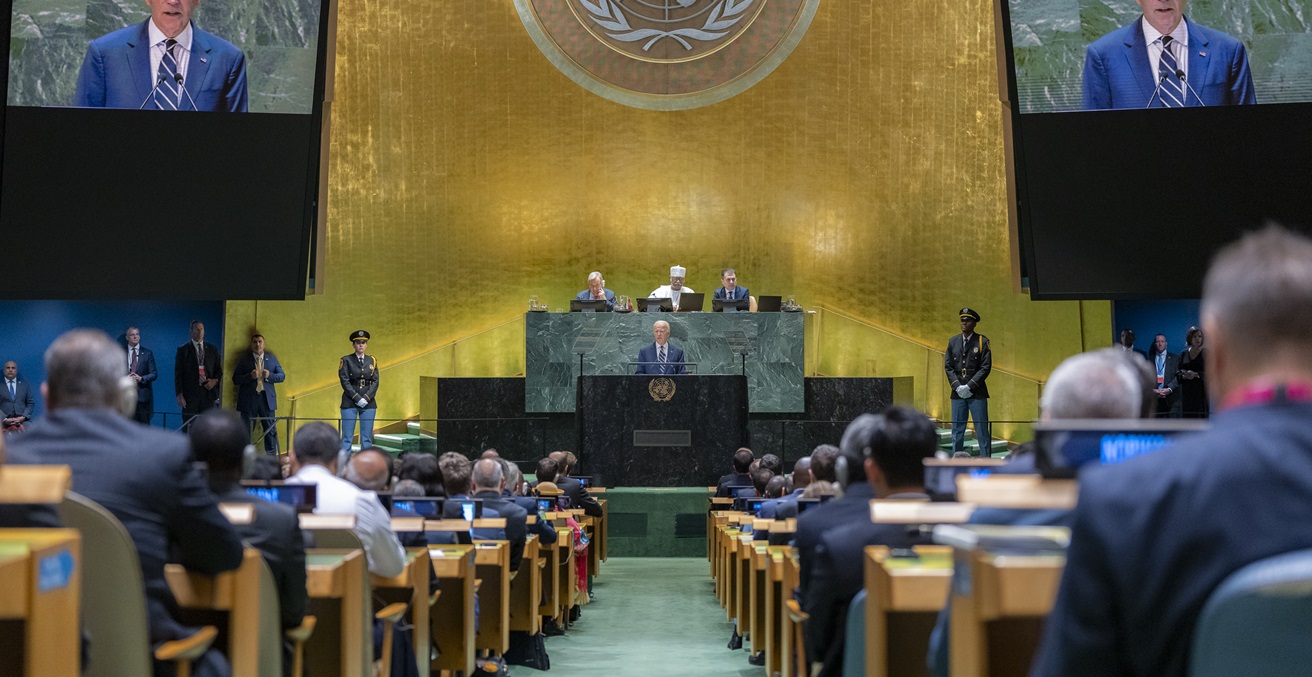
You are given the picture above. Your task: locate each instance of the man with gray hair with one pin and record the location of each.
(487, 481)
(1097, 384)
(144, 476)
(597, 291)
(1154, 536)
(661, 357)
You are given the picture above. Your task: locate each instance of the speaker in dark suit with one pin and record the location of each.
(17, 401)
(257, 397)
(729, 289)
(142, 369)
(653, 361)
(197, 369)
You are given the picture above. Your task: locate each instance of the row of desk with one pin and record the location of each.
(998, 600)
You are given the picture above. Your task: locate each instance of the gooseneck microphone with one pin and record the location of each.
(1157, 90)
(158, 81)
(177, 77)
(1180, 74)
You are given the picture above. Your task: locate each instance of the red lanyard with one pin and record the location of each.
(1266, 392)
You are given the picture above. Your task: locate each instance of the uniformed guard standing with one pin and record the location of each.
(968, 361)
(358, 373)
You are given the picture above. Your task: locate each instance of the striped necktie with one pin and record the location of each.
(660, 357)
(1167, 67)
(168, 94)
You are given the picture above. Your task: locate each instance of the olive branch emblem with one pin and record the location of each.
(609, 14)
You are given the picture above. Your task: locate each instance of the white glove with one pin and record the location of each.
(362, 402)
(963, 392)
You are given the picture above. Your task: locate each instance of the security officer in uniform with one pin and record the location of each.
(358, 373)
(968, 361)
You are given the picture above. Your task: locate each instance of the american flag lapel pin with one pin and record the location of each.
(203, 60)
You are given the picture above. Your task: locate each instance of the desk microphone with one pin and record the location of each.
(1157, 90)
(158, 81)
(177, 77)
(1180, 74)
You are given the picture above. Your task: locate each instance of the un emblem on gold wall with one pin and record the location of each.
(661, 389)
(666, 54)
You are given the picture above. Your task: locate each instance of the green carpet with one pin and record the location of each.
(653, 616)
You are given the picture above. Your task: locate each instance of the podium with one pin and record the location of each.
(660, 431)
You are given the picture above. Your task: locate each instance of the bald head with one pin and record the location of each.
(802, 472)
(488, 475)
(369, 470)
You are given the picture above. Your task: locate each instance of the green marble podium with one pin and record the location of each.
(610, 341)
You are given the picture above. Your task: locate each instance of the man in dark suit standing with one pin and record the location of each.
(968, 361)
(163, 63)
(141, 367)
(16, 399)
(1167, 366)
(257, 397)
(221, 441)
(1127, 343)
(197, 368)
(1154, 536)
(144, 476)
(729, 289)
(661, 357)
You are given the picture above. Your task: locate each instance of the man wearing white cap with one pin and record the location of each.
(674, 288)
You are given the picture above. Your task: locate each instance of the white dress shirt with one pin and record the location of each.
(182, 52)
(1180, 51)
(666, 292)
(373, 525)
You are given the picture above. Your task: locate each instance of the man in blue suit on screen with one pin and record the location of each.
(163, 63)
(661, 357)
(1163, 60)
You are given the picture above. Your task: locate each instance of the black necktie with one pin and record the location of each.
(1167, 67)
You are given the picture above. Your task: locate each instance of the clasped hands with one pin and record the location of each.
(963, 391)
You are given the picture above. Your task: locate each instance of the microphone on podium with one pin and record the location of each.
(177, 77)
(158, 81)
(1180, 74)
(1157, 90)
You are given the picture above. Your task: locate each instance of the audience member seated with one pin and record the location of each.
(314, 461)
(489, 453)
(821, 480)
(422, 468)
(546, 471)
(760, 478)
(1111, 383)
(742, 462)
(457, 474)
(577, 493)
(1154, 536)
(143, 475)
(222, 441)
(412, 489)
(894, 446)
(487, 482)
(773, 463)
(774, 490)
(266, 468)
(546, 531)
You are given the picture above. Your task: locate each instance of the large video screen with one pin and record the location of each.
(1146, 134)
(164, 148)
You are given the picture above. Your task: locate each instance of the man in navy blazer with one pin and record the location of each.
(142, 370)
(257, 398)
(650, 357)
(1123, 68)
(1154, 536)
(16, 400)
(729, 289)
(125, 68)
(597, 291)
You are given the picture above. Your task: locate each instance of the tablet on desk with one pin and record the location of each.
(1063, 447)
(425, 506)
(302, 497)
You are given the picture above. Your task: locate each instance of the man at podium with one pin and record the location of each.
(661, 358)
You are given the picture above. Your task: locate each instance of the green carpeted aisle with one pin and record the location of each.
(653, 616)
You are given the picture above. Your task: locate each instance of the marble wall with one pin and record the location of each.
(48, 39)
(1050, 36)
(774, 364)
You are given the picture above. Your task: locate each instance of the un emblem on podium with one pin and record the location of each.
(666, 54)
(661, 389)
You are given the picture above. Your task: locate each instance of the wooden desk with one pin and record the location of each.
(251, 619)
(492, 561)
(1000, 589)
(568, 583)
(411, 586)
(789, 574)
(758, 590)
(40, 600)
(526, 590)
(550, 555)
(453, 615)
(337, 582)
(903, 598)
(774, 608)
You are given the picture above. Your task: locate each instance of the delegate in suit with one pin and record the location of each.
(597, 291)
(257, 397)
(729, 289)
(358, 374)
(1166, 364)
(142, 370)
(661, 357)
(197, 368)
(16, 400)
(163, 63)
(1139, 65)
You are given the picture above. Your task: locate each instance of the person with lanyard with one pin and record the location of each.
(197, 368)
(968, 361)
(358, 373)
(1167, 365)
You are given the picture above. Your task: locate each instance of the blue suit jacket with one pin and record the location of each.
(116, 72)
(586, 295)
(148, 372)
(1117, 73)
(1153, 537)
(247, 397)
(673, 361)
(739, 293)
(23, 402)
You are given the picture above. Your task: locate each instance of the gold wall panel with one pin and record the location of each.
(467, 173)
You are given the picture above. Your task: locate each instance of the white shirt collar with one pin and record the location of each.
(1180, 34)
(157, 36)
